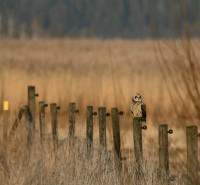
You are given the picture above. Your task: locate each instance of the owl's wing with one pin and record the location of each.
(143, 108)
(131, 108)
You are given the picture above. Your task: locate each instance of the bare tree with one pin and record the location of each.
(179, 62)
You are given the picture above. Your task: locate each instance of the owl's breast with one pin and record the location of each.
(136, 110)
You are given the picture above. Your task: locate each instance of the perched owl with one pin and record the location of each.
(138, 108)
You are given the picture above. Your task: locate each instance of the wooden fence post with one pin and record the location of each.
(89, 128)
(29, 125)
(163, 153)
(42, 106)
(54, 124)
(72, 108)
(116, 138)
(31, 103)
(137, 136)
(102, 126)
(5, 121)
(192, 155)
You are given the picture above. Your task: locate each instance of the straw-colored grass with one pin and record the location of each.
(88, 72)
(39, 165)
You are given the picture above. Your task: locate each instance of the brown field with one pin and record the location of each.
(89, 72)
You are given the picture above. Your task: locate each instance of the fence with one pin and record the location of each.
(29, 111)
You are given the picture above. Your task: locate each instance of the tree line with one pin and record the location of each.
(95, 18)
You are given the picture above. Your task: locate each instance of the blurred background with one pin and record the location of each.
(95, 18)
(101, 52)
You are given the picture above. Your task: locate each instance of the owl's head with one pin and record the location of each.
(136, 98)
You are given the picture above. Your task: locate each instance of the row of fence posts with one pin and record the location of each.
(191, 133)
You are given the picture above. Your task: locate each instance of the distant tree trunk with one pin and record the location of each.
(137, 19)
(36, 29)
(11, 27)
(1, 25)
(22, 31)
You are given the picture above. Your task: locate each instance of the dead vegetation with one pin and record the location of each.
(39, 165)
(98, 73)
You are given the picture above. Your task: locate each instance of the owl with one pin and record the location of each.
(138, 108)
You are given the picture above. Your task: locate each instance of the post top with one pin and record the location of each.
(31, 87)
(89, 106)
(101, 107)
(114, 108)
(192, 126)
(72, 103)
(163, 125)
(139, 119)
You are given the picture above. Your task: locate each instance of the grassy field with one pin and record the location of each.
(88, 72)
(100, 73)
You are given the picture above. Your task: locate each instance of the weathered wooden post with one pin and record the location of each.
(102, 126)
(137, 136)
(89, 127)
(54, 124)
(116, 138)
(192, 155)
(31, 103)
(5, 121)
(72, 109)
(42, 106)
(29, 125)
(164, 153)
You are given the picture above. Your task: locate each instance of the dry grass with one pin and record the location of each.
(81, 71)
(88, 72)
(41, 166)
